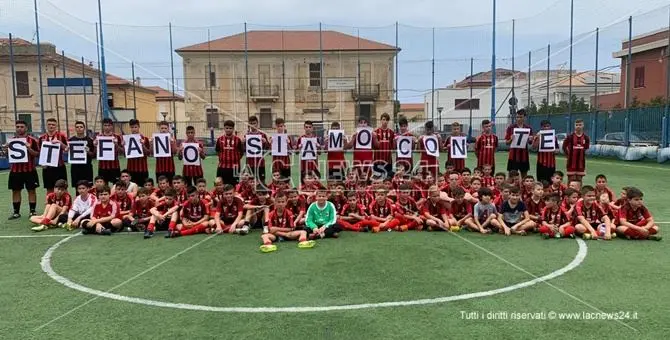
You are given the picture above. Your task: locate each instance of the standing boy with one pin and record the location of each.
(79, 172)
(308, 166)
(165, 165)
(428, 163)
(230, 149)
(137, 167)
(383, 155)
(110, 170)
(362, 157)
(408, 163)
(337, 164)
(458, 163)
(191, 173)
(257, 164)
(574, 147)
(24, 175)
(282, 163)
(518, 158)
(486, 146)
(52, 174)
(546, 160)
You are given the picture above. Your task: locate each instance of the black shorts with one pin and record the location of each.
(163, 226)
(85, 224)
(169, 176)
(138, 177)
(229, 176)
(543, 174)
(519, 166)
(62, 218)
(81, 172)
(21, 180)
(110, 175)
(51, 174)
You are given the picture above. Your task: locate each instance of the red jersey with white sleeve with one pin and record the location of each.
(64, 200)
(194, 212)
(281, 220)
(102, 210)
(384, 150)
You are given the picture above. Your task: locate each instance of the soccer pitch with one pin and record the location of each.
(413, 285)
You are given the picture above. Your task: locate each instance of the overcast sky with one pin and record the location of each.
(69, 25)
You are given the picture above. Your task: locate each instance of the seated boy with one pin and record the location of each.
(406, 211)
(352, 214)
(379, 212)
(322, 217)
(485, 212)
(258, 210)
(164, 214)
(245, 189)
(163, 185)
(535, 205)
(591, 218)
(555, 221)
(104, 217)
(557, 185)
(217, 192)
(124, 200)
(527, 189)
(434, 212)
(601, 187)
(98, 183)
(461, 210)
(140, 215)
(514, 215)
(281, 226)
(571, 197)
(56, 208)
(296, 204)
(636, 223)
(201, 186)
(131, 187)
(337, 197)
(229, 216)
(149, 184)
(193, 218)
(180, 187)
(82, 207)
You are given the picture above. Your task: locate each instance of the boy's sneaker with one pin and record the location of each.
(106, 232)
(40, 227)
(14, 217)
(557, 235)
(33, 213)
(655, 237)
(365, 230)
(148, 234)
(306, 244)
(268, 248)
(587, 236)
(244, 230)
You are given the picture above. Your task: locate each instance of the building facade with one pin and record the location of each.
(281, 75)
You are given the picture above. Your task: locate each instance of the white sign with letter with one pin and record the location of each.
(49, 154)
(308, 149)
(162, 145)
(280, 144)
(520, 138)
(335, 140)
(254, 146)
(17, 151)
(431, 145)
(191, 153)
(106, 148)
(77, 152)
(459, 147)
(405, 146)
(547, 141)
(133, 146)
(364, 138)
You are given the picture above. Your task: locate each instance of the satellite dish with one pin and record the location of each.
(513, 101)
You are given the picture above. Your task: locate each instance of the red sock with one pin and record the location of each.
(632, 233)
(392, 224)
(546, 231)
(46, 220)
(196, 229)
(347, 226)
(569, 230)
(172, 225)
(151, 227)
(652, 231)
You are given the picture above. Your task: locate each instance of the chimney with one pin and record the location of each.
(138, 81)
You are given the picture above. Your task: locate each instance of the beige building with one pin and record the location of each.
(27, 87)
(286, 78)
(171, 108)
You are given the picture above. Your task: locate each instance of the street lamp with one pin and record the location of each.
(439, 112)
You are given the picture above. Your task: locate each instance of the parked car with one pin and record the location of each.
(617, 138)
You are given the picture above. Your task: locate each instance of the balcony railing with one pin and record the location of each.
(366, 92)
(264, 91)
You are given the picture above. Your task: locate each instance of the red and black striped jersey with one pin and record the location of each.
(297, 206)
(460, 210)
(58, 136)
(140, 164)
(384, 150)
(142, 209)
(517, 155)
(181, 197)
(194, 212)
(28, 166)
(246, 190)
(384, 210)
(281, 220)
(574, 147)
(164, 206)
(125, 201)
(593, 213)
(357, 209)
(556, 216)
(485, 149)
(114, 164)
(166, 164)
(560, 190)
(230, 150)
(228, 211)
(338, 201)
(408, 207)
(534, 208)
(64, 200)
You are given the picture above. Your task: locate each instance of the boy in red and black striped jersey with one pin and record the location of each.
(245, 189)
(428, 163)
(574, 147)
(379, 212)
(125, 202)
(546, 160)
(24, 175)
(217, 192)
(308, 166)
(337, 196)
(229, 216)
(140, 214)
(601, 187)
(636, 223)
(569, 203)
(191, 173)
(110, 170)
(52, 174)
(82, 172)
(257, 165)
(282, 163)
(230, 149)
(527, 188)
(193, 217)
(535, 205)
(258, 210)
(165, 165)
(486, 146)
(351, 214)
(458, 163)
(104, 217)
(298, 207)
(201, 187)
(281, 226)
(336, 163)
(58, 204)
(137, 167)
(591, 216)
(461, 210)
(408, 163)
(406, 211)
(178, 185)
(434, 213)
(363, 158)
(557, 186)
(518, 158)
(158, 193)
(383, 153)
(164, 214)
(555, 221)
